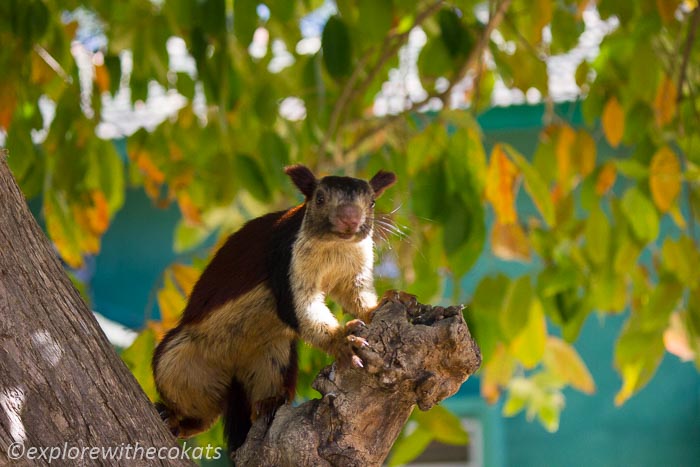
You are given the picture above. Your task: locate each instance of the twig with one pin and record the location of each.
(350, 91)
(686, 53)
(52, 63)
(493, 23)
(476, 53)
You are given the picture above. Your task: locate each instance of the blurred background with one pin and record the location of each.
(547, 153)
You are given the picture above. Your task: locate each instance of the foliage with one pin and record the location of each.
(593, 238)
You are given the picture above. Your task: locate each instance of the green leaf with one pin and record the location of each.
(454, 35)
(443, 425)
(641, 214)
(427, 201)
(425, 147)
(632, 168)
(681, 257)
(245, 20)
(483, 312)
(464, 232)
(528, 346)
(251, 177)
(337, 49)
(597, 236)
(138, 358)
(106, 173)
(188, 236)
(433, 62)
(534, 184)
(566, 30)
(185, 85)
(409, 447)
(274, 154)
(375, 20)
(516, 307)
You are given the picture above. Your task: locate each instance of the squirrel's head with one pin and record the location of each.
(340, 208)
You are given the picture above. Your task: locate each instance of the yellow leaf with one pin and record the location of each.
(664, 178)
(102, 78)
(613, 120)
(665, 102)
(606, 178)
(496, 374)
(630, 376)
(500, 185)
(563, 152)
(677, 216)
(529, 346)
(171, 303)
(563, 360)
(667, 9)
(62, 231)
(584, 153)
(185, 277)
(509, 242)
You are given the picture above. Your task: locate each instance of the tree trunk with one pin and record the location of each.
(66, 397)
(62, 386)
(418, 355)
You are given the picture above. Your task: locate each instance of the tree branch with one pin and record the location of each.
(686, 52)
(350, 91)
(418, 355)
(62, 382)
(475, 55)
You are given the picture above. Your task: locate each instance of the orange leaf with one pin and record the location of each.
(665, 178)
(613, 119)
(500, 185)
(185, 277)
(189, 211)
(149, 169)
(41, 71)
(563, 153)
(102, 78)
(606, 178)
(8, 98)
(667, 9)
(98, 213)
(584, 153)
(509, 242)
(665, 102)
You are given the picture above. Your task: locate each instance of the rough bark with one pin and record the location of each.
(418, 355)
(62, 386)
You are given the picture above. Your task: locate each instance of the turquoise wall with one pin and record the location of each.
(658, 427)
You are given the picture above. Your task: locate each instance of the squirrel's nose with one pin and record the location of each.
(349, 217)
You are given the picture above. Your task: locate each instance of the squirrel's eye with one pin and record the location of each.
(320, 199)
(372, 203)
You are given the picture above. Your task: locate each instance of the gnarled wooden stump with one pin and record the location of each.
(418, 355)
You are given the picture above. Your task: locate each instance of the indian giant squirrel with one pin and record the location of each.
(234, 349)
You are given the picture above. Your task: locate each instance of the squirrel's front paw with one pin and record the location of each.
(350, 344)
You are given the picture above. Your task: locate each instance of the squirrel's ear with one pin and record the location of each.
(381, 181)
(303, 178)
